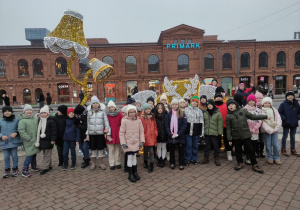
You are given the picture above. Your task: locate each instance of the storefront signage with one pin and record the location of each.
(297, 78)
(183, 46)
(262, 79)
(63, 86)
(279, 78)
(244, 79)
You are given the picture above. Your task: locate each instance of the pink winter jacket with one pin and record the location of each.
(254, 125)
(131, 134)
(265, 128)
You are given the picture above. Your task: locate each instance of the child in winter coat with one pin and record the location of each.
(195, 128)
(203, 103)
(150, 133)
(239, 134)
(270, 129)
(132, 139)
(9, 141)
(46, 137)
(124, 111)
(114, 117)
(71, 138)
(175, 126)
(60, 119)
(151, 102)
(81, 123)
(213, 127)
(97, 126)
(27, 128)
(289, 111)
(138, 108)
(164, 101)
(254, 125)
(259, 97)
(182, 104)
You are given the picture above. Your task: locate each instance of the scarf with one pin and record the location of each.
(10, 118)
(258, 105)
(250, 108)
(211, 111)
(270, 112)
(174, 122)
(41, 127)
(113, 114)
(218, 103)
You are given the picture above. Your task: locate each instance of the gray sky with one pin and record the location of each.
(142, 21)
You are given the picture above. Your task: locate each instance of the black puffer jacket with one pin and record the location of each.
(48, 99)
(51, 134)
(61, 126)
(81, 123)
(162, 133)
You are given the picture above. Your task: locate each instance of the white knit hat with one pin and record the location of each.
(163, 96)
(111, 103)
(181, 100)
(174, 101)
(45, 109)
(267, 99)
(129, 107)
(94, 99)
(27, 107)
(124, 109)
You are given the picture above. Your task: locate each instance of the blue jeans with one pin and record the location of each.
(84, 147)
(191, 148)
(292, 137)
(29, 159)
(13, 153)
(271, 142)
(69, 145)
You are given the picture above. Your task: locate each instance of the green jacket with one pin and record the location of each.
(213, 125)
(28, 129)
(237, 125)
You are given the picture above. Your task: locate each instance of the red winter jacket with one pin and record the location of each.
(115, 124)
(150, 131)
(223, 110)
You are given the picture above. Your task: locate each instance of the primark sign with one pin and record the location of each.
(183, 46)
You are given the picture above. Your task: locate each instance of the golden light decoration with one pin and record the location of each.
(101, 71)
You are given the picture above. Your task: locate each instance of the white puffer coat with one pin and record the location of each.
(97, 122)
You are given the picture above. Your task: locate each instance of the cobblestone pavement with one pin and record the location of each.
(196, 187)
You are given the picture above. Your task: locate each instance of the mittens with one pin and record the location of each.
(124, 146)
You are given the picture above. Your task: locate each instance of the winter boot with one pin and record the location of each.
(34, 167)
(85, 163)
(6, 173)
(205, 161)
(93, 163)
(25, 172)
(159, 162)
(101, 164)
(150, 169)
(15, 172)
(43, 171)
(257, 169)
(163, 162)
(283, 152)
(217, 162)
(137, 177)
(239, 166)
(131, 177)
(229, 156)
(145, 164)
(294, 152)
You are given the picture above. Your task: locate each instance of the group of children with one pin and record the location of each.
(158, 129)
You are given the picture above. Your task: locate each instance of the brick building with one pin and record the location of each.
(180, 53)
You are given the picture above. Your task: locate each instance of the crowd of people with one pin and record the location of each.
(246, 124)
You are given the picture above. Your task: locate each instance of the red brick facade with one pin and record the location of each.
(12, 83)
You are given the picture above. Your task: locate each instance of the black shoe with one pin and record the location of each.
(42, 172)
(163, 162)
(50, 168)
(73, 166)
(181, 168)
(257, 169)
(60, 164)
(134, 171)
(85, 163)
(65, 167)
(145, 164)
(118, 167)
(217, 162)
(205, 161)
(15, 172)
(112, 167)
(262, 155)
(194, 162)
(131, 177)
(187, 163)
(150, 169)
(6, 173)
(173, 166)
(257, 155)
(239, 166)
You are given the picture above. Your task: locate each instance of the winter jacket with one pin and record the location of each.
(72, 133)
(27, 128)
(162, 136)
(7, 101)
(115, 124)
(266, 128)
(41, 98)
(203, 108)
(81, 123)
(254, 125)
(60, 121)
(213, 125)
(223, 110)
(244, 94)
(289, 113)
(150, 131)
(131, 133)
(48, 99)
(7, 127)
(97, 123)
(182, 124)
(51, 134)
(237, 125)
(194, 117)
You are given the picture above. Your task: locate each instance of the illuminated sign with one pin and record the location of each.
(183, 46)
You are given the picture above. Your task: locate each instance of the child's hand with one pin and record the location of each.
(52, 142)
(4, 138)
(109, 138)
(124, 146)
(87, 138)
(141, 145)
(13, 135)
(106, 131)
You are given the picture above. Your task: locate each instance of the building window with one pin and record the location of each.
(190, 41)
(37, 66)
(280, 60)
(227, 61)
(130, 64)
(297, 58)
(182, 41)
(108, 60)
(153, 63)
(23, 67)
(263, 60)
(175, 41)
(61, 66)
(84, 65)
(63, 92)
(209, 62)
(130, 85)
(26, 96)
(2, 69)
(245, 60)
(183, 62)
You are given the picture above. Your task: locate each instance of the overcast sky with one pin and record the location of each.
(142, 20)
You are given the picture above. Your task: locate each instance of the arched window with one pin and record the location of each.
(263, 60)
(227, 61)
(108, 60)
(153, 63)
(130, 64)
(297, 58)
(183, 62)
(61, 66)
(37, 66)
(280, 60)
(209, 62)
(84, 65)
(2, 69)
(245, 60)
(23, 67)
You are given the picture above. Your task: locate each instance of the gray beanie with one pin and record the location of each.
(27, 107)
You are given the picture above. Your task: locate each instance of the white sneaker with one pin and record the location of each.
(229, 156)
(168, 156)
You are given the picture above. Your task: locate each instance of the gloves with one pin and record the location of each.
(109, 138)
(124, 146)
(141, 145)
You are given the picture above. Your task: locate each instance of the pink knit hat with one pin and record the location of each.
(251, 97)
(242, 84)
(259, 95)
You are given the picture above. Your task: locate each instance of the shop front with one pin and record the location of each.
(129, 87)
(246, 81)
(63, 93)
(296, 83)
(154, 85)
(227, 85)
(280, 84)
(26, 96)
(263, 84)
